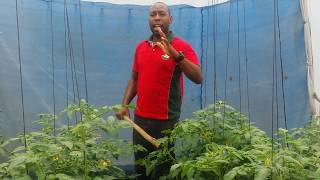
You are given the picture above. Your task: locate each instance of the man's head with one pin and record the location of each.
(159, 16)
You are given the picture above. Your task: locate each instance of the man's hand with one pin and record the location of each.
(122, 112)
(165, 45)
(192, 71)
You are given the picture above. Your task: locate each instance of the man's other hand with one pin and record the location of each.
(122, 112)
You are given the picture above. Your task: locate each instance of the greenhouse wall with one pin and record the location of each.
(249, 59)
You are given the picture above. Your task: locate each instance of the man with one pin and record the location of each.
(157, 81)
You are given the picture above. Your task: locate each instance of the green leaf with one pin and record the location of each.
(185, 169)
(18, 149)
(109, 177)
(25, 177)
(290, 159)
(190, 173)
(18, 161)
(91, 141)
(54, 148)
(69, 114)
(40, 174)
(262, 173)
(68, 144)
(175, 166)
(236, 154)
(124, 124)
(231, 174)
(174, 171)
(150, 166)
(63, 177)
(3, 165)
(9, 141)
(98, 178)
(76, 153)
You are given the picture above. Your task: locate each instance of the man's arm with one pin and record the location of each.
(129, 94)
(191, 70)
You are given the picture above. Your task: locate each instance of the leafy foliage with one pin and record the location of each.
(85, 150)
(3, 151)
(219, 143)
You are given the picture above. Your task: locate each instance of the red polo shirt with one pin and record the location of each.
(160, 81)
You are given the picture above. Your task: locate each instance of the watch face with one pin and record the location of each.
(180, 57)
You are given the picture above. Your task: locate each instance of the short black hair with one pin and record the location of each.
(163, 4)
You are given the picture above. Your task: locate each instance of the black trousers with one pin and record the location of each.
(153, 128)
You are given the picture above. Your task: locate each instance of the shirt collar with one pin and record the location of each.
(170, 37)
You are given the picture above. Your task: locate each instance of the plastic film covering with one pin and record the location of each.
(240, 33)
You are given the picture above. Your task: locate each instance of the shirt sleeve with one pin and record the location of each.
(191, 55)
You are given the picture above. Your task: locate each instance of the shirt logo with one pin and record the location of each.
(165, 57)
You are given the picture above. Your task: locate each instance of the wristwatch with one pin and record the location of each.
(180, 57)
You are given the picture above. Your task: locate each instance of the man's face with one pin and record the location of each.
(159, 17)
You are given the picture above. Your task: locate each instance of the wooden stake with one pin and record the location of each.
(145, 135)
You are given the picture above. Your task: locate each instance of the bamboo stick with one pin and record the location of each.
(145, 135)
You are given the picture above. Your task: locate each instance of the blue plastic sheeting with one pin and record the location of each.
(111, 33)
